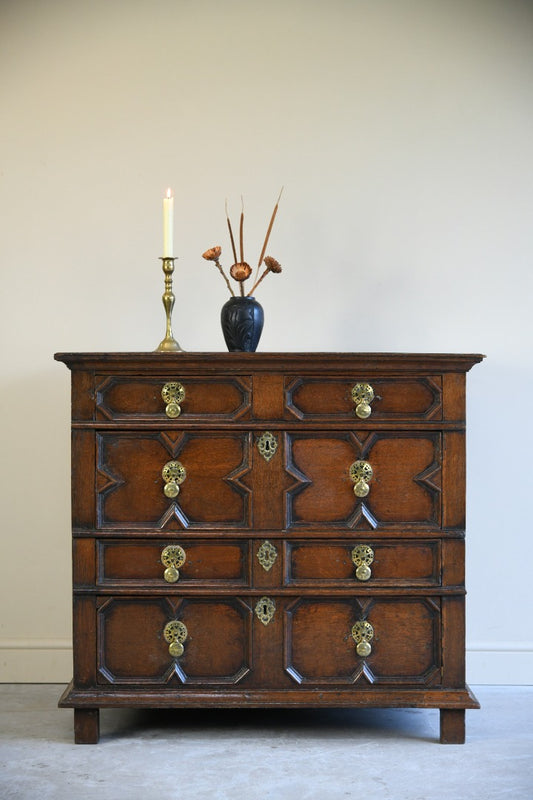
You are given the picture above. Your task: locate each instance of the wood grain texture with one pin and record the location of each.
(301, 502)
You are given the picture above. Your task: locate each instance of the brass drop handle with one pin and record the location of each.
(362, 557)
(173, 394)
(173, 557)
(174, 474)
(362, 396)
(362, 634)
(361, 473)
(175, 634)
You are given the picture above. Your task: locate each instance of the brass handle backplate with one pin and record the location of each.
(174, 474)
(361, 473)
(173, 557)
(362, 634)
(362, 557)
(362, 396)
(173, 394)
(175, 634)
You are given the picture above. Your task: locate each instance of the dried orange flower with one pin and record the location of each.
(272, 264)
(240, 271)
(213, 254)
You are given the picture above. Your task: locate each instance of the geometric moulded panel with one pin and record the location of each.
(133, 645)
(131, 486)
(215, 399)
(321, 644)
(323, 493)
(328, 399)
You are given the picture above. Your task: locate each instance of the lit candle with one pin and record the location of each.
(168, 225)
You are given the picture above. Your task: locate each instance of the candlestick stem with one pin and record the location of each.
(169, 344)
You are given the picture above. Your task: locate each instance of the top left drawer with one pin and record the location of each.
(172, 398)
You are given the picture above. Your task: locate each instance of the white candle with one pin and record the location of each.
(168, 225)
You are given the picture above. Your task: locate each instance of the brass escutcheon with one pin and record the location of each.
(173, 557)
(174, 474)
(265, 609)
(362, 396)
(173, 394)
(361, 472)
(267, 444)
(175, 634)
(362, 634)
(362, 557)
(266, 555)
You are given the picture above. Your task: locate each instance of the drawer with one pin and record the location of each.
(342, 399)
(187, 399)
(398, 641)
(134, 491)
(400, 486)
(223, 641)
(370, 563)
(179, 562)
(209, 642)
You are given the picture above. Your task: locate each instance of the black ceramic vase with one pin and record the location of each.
(242, 322)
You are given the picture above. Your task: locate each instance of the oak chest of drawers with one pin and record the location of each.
(255, 530)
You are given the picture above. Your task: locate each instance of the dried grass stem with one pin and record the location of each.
(219, 265)
(256, 284)
(231, 234)
(267, 237)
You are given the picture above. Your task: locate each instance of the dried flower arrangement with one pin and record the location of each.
(240, 271)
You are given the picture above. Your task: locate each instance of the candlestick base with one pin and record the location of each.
(169, 344)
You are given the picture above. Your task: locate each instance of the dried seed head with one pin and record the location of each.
(271, 264)
(240, 271)
(213, 254)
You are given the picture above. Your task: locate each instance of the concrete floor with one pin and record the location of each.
(258, 755)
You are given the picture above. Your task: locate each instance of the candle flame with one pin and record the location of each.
(169, 193)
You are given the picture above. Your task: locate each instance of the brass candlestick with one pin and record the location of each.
(169, 344)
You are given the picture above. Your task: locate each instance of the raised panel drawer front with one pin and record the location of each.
(136, 645)
(404, 488)
(313, 399)
(178, 562)
(321, 645)
(131, 488)
(366, 563)
(184, 399)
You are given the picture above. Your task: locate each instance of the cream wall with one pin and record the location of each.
(403, 134)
